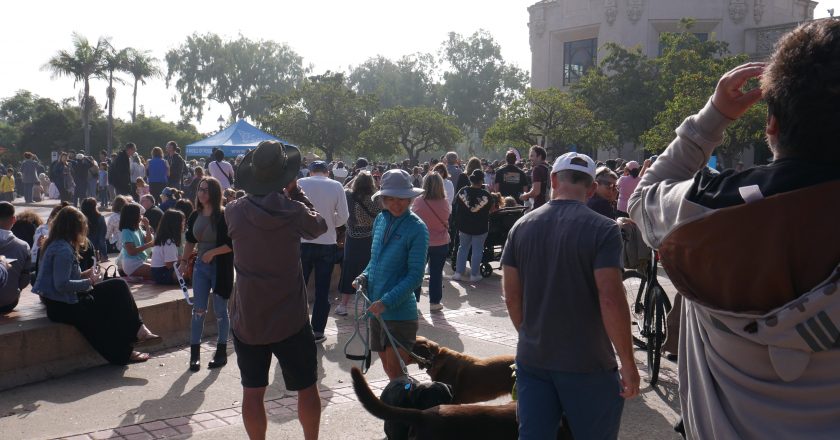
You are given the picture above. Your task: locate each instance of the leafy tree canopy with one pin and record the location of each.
(551, 118)
(628, 89)
(411, 131)
(243, 74)
(149, 132)
(478, 82)
(408, 82)
(323, 113)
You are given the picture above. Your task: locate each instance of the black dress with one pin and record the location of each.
(106, 316)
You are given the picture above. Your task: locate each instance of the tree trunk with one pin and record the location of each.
(111, 94)
(86, 115)
(133, 106)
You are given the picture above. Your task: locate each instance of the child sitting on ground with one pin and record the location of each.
(167, 241)
(137, 237)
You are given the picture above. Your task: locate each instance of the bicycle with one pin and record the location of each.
(649, 304)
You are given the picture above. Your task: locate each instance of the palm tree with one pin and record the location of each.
(115, 60)
(83, 64)
(141, 65)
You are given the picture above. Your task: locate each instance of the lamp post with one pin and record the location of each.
(221, 122)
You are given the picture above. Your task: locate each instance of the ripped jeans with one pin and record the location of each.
(204, 279)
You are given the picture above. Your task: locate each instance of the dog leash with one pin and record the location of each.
(358, 321)
(365, 316)
(184, 289)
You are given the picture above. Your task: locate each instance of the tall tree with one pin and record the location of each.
(628, 89)
(693, 89)
(84, 63)
(415, 130)
(243, 74)
(551, 118)
(622, 91)
(141, 66)
(19, 108)
(323, 113)
(408, 82)
(478, 82)
(114, 61)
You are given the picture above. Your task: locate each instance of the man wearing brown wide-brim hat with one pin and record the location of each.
(268, 308)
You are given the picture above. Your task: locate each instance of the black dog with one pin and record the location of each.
(407, 392)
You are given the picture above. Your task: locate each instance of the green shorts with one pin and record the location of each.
(403, 332)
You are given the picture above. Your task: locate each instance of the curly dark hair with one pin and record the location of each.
(802, 88)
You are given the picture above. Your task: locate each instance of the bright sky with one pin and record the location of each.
(329, 34)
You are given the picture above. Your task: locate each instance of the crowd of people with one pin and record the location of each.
(758, 347)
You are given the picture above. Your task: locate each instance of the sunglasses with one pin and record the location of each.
(606, 183)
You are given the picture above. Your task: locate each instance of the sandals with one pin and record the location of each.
(146, 337)
(137, 357)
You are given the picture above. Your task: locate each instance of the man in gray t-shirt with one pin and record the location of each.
(563, 288)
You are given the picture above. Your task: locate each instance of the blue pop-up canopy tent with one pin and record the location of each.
(234, 140)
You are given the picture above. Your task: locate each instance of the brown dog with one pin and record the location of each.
(472, 379)
(447, 422)
(443, 422)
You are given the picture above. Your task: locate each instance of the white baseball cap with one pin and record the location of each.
(564, 162)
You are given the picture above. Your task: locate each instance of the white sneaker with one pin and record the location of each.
(456, 276)
(341, 310)
(475, 278)
(435, 307)
(319, 338)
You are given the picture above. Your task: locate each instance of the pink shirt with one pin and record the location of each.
(626, 185)
(435, 214)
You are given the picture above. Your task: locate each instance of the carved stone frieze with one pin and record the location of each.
(635, 8)
(611, 10)
(737, 10)
(758, 10)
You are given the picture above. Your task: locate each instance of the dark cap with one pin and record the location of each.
(318, 166)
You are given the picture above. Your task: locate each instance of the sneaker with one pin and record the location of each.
(319, 338)
(475, 278)
(435, 307)
(341, 310)
(456, 276)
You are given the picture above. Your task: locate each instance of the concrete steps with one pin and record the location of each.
(34, 348)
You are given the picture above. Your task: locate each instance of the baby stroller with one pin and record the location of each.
(501, 222)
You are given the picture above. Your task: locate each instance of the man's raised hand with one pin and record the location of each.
(728, 97)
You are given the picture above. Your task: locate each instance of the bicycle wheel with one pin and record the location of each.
(634, 287)
(656, 333)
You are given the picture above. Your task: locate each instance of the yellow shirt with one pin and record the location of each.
(7, 184)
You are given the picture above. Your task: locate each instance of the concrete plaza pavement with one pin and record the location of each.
(162, 399)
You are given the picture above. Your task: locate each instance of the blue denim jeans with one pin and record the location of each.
(465, 243)
(321, 258)
(204, 279)
(590, 401)
(437, 259)
(27, 192)
(103, 197)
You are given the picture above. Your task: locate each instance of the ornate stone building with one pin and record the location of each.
(565, 34)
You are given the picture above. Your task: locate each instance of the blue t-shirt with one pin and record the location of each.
(135, 238)
(556, 249)
(157, 170)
